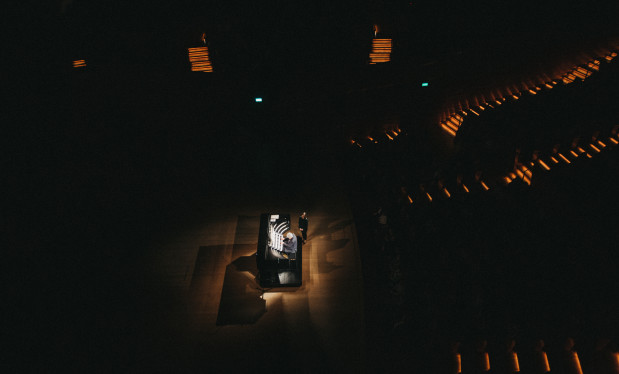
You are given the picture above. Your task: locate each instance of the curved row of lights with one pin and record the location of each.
(452, 119)
(522, 170)
(390, 134)
(537, 357)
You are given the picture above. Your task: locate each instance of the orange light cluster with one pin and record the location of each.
(79, 63)
(524, 173)
(453, 123)
(199, 58)
(381, 51)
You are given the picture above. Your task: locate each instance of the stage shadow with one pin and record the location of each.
(324, 228)
(324, 265)
(241, 300)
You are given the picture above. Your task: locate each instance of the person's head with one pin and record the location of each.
(304, 214)
(290, 235)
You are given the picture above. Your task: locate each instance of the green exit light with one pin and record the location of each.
(258, 99)
(425, 84)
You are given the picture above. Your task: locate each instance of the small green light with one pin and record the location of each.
(425, 84)
(258, 99)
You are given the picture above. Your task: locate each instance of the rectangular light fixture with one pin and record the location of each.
(258, 99)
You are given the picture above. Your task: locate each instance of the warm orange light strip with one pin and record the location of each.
(409, 199)
(576, 362)
(487, 362)
(446, 192)
(459, 361)
(474, 112)
(389, 136)
(613, 140)
(554, 160)
(574, 153)
(515, 364)
(79, 63)
(543, 164)
(596, 149)
(580, 150)
(485, 186)
(446, 128)
(601, 144)
(465, 189)
(546, 364)
(564, 159)
(429, 197)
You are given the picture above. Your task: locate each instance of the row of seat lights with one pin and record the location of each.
(515, 365)
(523, 172)
(453, 122)
(390, 134)
(446, 192)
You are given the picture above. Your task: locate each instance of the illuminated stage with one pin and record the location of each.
(279, 259)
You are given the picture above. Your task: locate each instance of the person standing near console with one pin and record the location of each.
(303, 223)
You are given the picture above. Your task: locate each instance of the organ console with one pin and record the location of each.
(278, 257)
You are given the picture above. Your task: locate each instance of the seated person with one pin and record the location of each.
(290, 244)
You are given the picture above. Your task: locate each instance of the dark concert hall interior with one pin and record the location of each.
(457, 163)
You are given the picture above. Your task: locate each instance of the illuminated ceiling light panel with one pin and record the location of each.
(79, 63)
(381, 51)
(199, 59)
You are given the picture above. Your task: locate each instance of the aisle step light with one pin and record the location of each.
(543, 164)
(564, 158)
(515, 366)
(485, 186)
